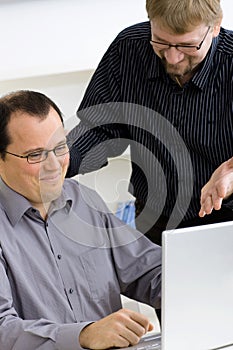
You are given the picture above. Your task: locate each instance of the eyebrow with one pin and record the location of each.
(40, 149)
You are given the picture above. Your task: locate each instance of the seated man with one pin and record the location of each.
(64, 259)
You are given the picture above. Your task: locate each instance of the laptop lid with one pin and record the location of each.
(197, 287)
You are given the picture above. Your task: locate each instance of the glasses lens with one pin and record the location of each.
(61, 150)
(37, 157)
(186, 49)
(160, 46)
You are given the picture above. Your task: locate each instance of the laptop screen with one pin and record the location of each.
(197, 287)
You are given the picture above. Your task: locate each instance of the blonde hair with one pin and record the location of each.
(183, 15)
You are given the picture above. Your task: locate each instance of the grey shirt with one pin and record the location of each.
(58, 275)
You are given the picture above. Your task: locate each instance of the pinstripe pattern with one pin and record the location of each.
(201, 112)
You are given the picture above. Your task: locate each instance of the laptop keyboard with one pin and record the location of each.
(148, 343)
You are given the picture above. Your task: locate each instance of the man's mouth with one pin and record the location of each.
(50, 177)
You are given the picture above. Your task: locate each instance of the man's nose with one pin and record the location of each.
(52, 161)
(173, 56)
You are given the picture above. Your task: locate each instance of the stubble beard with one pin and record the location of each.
(175, 70)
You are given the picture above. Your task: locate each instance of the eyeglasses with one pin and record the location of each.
(183, 48)
(40, 156)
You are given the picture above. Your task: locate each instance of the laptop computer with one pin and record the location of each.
(197, 290)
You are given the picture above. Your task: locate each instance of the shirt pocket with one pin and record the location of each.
(99, 273)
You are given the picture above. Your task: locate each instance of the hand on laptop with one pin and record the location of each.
(219, 187)
(120, 329)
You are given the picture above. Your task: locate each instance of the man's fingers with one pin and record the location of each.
(206, 206)
(216, 201)
(141, 321)
(202, 213)
(136, 325)
(130, 336)
(210, 202)
(151, 327)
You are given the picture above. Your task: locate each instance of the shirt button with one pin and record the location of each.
(71, 291)
(59, 256)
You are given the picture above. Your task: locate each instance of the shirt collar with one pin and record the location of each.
(200, 78)
(65, 200)
(156, 68)
(15, 205)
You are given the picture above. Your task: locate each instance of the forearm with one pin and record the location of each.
(140, 281)
(90, 147)
(87, 151)
(18, 334)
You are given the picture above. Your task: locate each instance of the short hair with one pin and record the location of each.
(33, 103)
(182, 16)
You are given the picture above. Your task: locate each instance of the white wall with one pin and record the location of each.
(227, 6)
(55, 45)
(66, 89)
(52, 36)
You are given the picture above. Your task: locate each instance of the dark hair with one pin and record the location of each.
(33, 103)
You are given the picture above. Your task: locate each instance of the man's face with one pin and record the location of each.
(176, 62)
(41, 182)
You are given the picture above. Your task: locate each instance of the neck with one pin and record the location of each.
(43, 209)
(182, 79)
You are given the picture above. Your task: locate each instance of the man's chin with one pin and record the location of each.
(50, 196)
(176, 71)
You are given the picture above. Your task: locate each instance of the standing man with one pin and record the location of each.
(164, 87)
(64, 260)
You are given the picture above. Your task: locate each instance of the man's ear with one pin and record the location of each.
(216, 28)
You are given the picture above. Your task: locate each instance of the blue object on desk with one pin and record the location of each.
(126, 212)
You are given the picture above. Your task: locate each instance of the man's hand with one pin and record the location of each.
(120, 329)
(219, 187)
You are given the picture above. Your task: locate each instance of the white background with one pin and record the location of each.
(52, 36)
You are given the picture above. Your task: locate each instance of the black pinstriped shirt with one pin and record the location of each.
(178, 136)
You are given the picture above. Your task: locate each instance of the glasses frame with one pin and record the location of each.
(167, 46)
(44, 153)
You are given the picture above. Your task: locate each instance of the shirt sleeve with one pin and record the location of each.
(141, 280)
(41, 334)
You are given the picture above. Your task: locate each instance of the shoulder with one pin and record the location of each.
(131, 42)
(85, 196)
(137, 31)
(225, 42)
